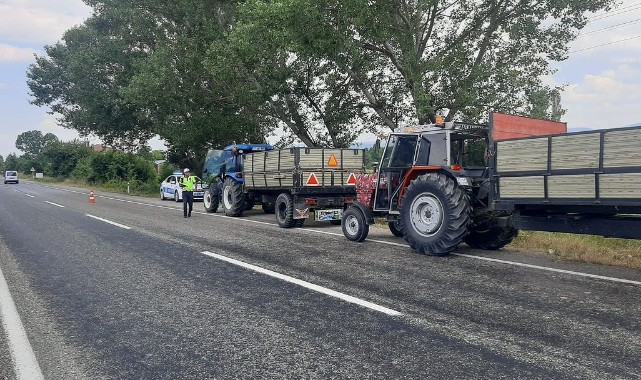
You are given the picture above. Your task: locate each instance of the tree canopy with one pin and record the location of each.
(32, 143)
(202, 73)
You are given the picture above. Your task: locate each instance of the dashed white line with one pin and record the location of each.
(109, 221)
(305, 284)
(55, 204)
(29, 195)
(22, 355)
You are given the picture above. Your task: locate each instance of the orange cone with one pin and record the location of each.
(92, 199)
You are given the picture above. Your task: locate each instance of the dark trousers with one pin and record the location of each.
(188, 199)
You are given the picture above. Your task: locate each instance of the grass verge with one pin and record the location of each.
(581, 248)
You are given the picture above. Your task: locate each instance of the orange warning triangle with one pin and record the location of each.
(332, 161)
(312, 180)
(352, 179)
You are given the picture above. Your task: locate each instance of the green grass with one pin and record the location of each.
(581, 248)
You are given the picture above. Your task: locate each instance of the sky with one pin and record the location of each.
(602, 75)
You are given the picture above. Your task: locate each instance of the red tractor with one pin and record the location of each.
(433, 188)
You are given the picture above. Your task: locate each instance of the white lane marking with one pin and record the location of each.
(22, 355)
(550, 269)
(498, 261)
(109, 221)
(55, 204)
(29, 195)
(306, 284)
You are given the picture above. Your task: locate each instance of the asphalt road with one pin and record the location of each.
(159, 296)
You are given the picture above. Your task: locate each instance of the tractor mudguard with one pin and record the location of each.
(367, 212)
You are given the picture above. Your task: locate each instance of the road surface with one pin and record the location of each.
(127, 288)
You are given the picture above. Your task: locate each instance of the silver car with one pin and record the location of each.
(10, 176)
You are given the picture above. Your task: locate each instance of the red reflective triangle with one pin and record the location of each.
(352, 179)
(312, 180)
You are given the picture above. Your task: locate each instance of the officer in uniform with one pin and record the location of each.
(188, 184)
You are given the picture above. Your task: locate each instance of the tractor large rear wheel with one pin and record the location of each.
(491, 239)
(435, 214)
(233, 198)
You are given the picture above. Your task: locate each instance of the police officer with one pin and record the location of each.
(188, 184)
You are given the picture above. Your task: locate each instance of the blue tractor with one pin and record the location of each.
(223, 173)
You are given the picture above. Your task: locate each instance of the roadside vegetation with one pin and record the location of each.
(581, 248)
(77, 163)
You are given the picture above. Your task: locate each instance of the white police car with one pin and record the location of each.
(169, 188)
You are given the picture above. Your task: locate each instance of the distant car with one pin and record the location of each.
(10, 176)
(169, 188)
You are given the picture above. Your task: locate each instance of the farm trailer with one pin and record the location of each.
(290, 183)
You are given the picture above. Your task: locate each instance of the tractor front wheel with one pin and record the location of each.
(233, 198)
(435, 214)
(211, 200)
(396, 227)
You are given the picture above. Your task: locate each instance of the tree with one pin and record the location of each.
(81, 79)
(460, 58)
(33, 142)
(2, 167)
(135, 70)
(11, 162)
(62, 157)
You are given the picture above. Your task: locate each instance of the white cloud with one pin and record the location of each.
(38, 22)
(10, 53)
(604, 100)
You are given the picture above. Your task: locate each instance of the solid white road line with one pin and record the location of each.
(24, 360)
(549, 269)
(55, 204)
(306, 284)
(109, 221)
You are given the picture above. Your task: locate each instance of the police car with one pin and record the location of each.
(170, 189)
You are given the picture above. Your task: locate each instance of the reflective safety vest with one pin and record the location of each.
(189, 182)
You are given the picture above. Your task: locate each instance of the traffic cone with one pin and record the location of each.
(92, 199)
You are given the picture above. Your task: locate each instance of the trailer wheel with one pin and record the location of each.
(299, 223)
(233, 198)
(211, 201)
(396, 227)
(249, 204)
(435, 213)
(355, 227)
(491, 239)
(284, 208)
(269, 208)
